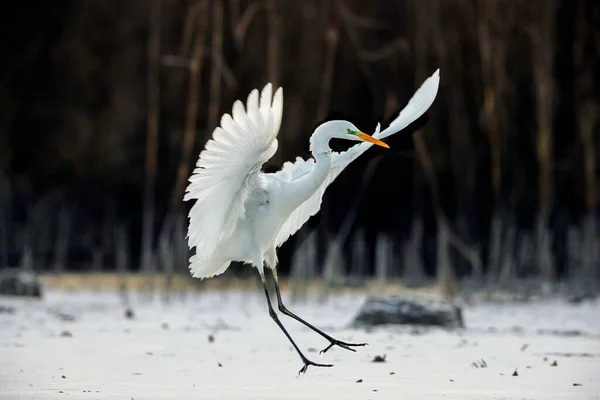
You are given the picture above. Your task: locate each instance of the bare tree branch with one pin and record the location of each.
(398, 45)
(360, 21)
(239, 32)
(191, 18)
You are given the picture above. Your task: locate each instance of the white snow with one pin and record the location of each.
(165, 352)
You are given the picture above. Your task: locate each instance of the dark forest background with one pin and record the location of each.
(105, 106)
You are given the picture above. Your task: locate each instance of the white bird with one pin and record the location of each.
(242, 214)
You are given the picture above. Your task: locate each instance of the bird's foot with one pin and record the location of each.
(307, 362)
(343, 345)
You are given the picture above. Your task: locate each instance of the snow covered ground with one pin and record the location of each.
(223, 345)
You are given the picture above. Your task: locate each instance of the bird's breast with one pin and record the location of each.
(258, 202)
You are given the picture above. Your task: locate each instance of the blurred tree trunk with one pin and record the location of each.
(587, 121)
(153, 93)
(332, 37)
(424, 12)
(450, 40)
(189, 133)
(273, 43)
(492, 39)
(62, 239)
(273, 53)
(214, 104)
(414, 274)
(6, 120)
(586, 109)
(542, 41)
(445, 275)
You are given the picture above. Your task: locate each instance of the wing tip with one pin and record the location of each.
(266, 96)
(434, 78)
(268, 88)
(252, 102)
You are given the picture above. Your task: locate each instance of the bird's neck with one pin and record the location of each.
(319, 147)
(303, 188)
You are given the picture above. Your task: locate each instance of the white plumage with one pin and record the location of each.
(228, 181)
(243, 214)
(227, 172)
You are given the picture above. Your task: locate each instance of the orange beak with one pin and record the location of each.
(367, 138)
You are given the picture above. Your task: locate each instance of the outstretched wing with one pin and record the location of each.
(417, 105)
(228, 168)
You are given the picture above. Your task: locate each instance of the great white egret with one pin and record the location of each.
(243, 214)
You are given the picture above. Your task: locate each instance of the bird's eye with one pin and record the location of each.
(349, 131)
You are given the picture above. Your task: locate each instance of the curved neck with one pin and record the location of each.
(303, 188)
(319, 147)
(319, 144)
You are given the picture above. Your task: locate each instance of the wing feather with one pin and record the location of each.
(417, 105)
(225, 170)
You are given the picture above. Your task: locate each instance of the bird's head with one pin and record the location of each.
(347, 130)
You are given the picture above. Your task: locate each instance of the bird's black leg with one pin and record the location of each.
(273, 315)
(332, 341)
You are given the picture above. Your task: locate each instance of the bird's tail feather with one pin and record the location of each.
(207, 268)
